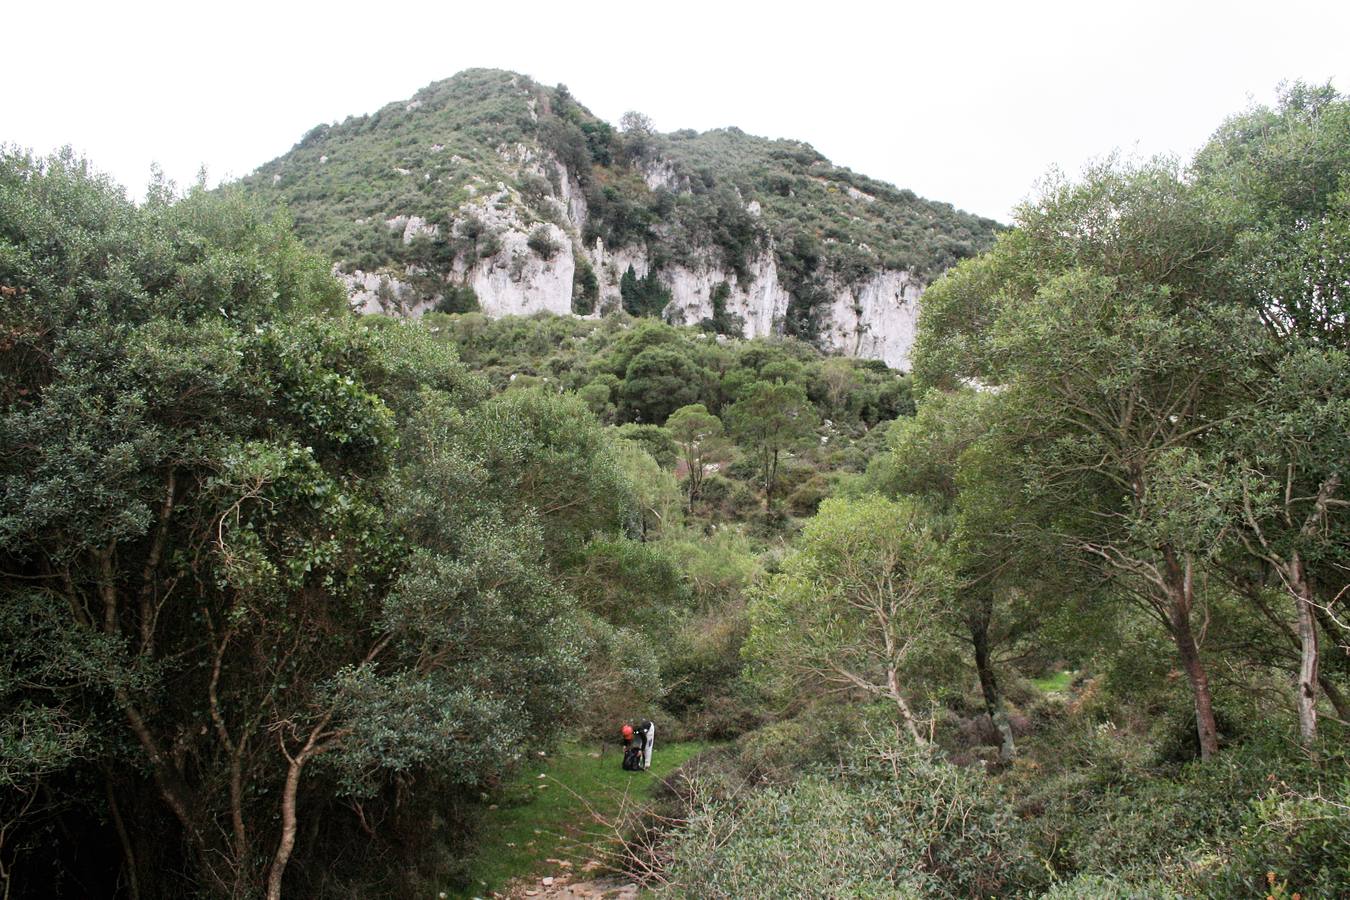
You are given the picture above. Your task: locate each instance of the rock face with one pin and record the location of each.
(532, 266)
(517, 281)
(872, 319)
(490, 189)
(875, 319)
(380, 293)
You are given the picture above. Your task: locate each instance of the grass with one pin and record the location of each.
(538, 819)
(1059, 681)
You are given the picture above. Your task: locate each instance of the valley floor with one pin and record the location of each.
(549, 822)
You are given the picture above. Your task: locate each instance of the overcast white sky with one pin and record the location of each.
(960, 101)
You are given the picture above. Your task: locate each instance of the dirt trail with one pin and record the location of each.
(566, 884)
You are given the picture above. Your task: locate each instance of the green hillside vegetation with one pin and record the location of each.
(295, 600)
(458, 139)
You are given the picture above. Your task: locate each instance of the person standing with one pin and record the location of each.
(646, 733)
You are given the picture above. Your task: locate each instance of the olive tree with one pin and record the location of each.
(857, 604)
(1282, 176)
(950, 457)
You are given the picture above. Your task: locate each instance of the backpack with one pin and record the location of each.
(632, 758)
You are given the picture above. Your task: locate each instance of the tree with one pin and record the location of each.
(840, 382)
(949, 457)
(456, 298)
(771, 418)
(642, 297)
(654, 439)
(659, 381)
(638, 134)
(698, 434)
(855, 606)
(655, 491)
(1108, 337)
(1280, 176)
(634, 122)
(1280, 473)
(257, 545)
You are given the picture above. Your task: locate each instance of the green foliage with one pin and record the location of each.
(643, 297)
(659, 381)
(585, 287)
(722, 322)
(657, 441)
(886, 822)
(771, 417)
(457, 298)
(541, 241)
(654, 488)
(856, 606)
(629, 583)
(274, 572)
(1300, 835)
(228, 504)
(698, 435)
(543, 457)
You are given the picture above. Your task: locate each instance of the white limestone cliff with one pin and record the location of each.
(371, 293)
(761, 302)
(874, 318)
(516, 281)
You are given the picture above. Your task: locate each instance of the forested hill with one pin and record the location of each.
(489, 190)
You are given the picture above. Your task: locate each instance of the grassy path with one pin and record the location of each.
(545, 813)
(1058, 681)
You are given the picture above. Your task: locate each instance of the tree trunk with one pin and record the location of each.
(1206, 728)
(1338, 700)
(288, 826)
(771, 475)
(128, 855)
(1181, 591)
(893, 687)
(1308, 652)
(993, 698)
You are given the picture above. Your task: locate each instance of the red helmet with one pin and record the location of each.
(628, 732)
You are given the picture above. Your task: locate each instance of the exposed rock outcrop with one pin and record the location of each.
(517, 281)
(875, 319)
(872, 319)
(373, 293)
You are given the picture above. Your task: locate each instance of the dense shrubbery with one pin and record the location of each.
(880, 819)
(266, 564)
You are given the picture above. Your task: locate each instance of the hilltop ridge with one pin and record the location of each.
(488, 190)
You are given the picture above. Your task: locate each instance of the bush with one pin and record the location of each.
(654, 439)
(886, 821)
(542, 242)
(458, 298)
(645, 296)
(585, 287)
(701, 669)
(1106, 887)
(806, 499)
(1301, 833)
